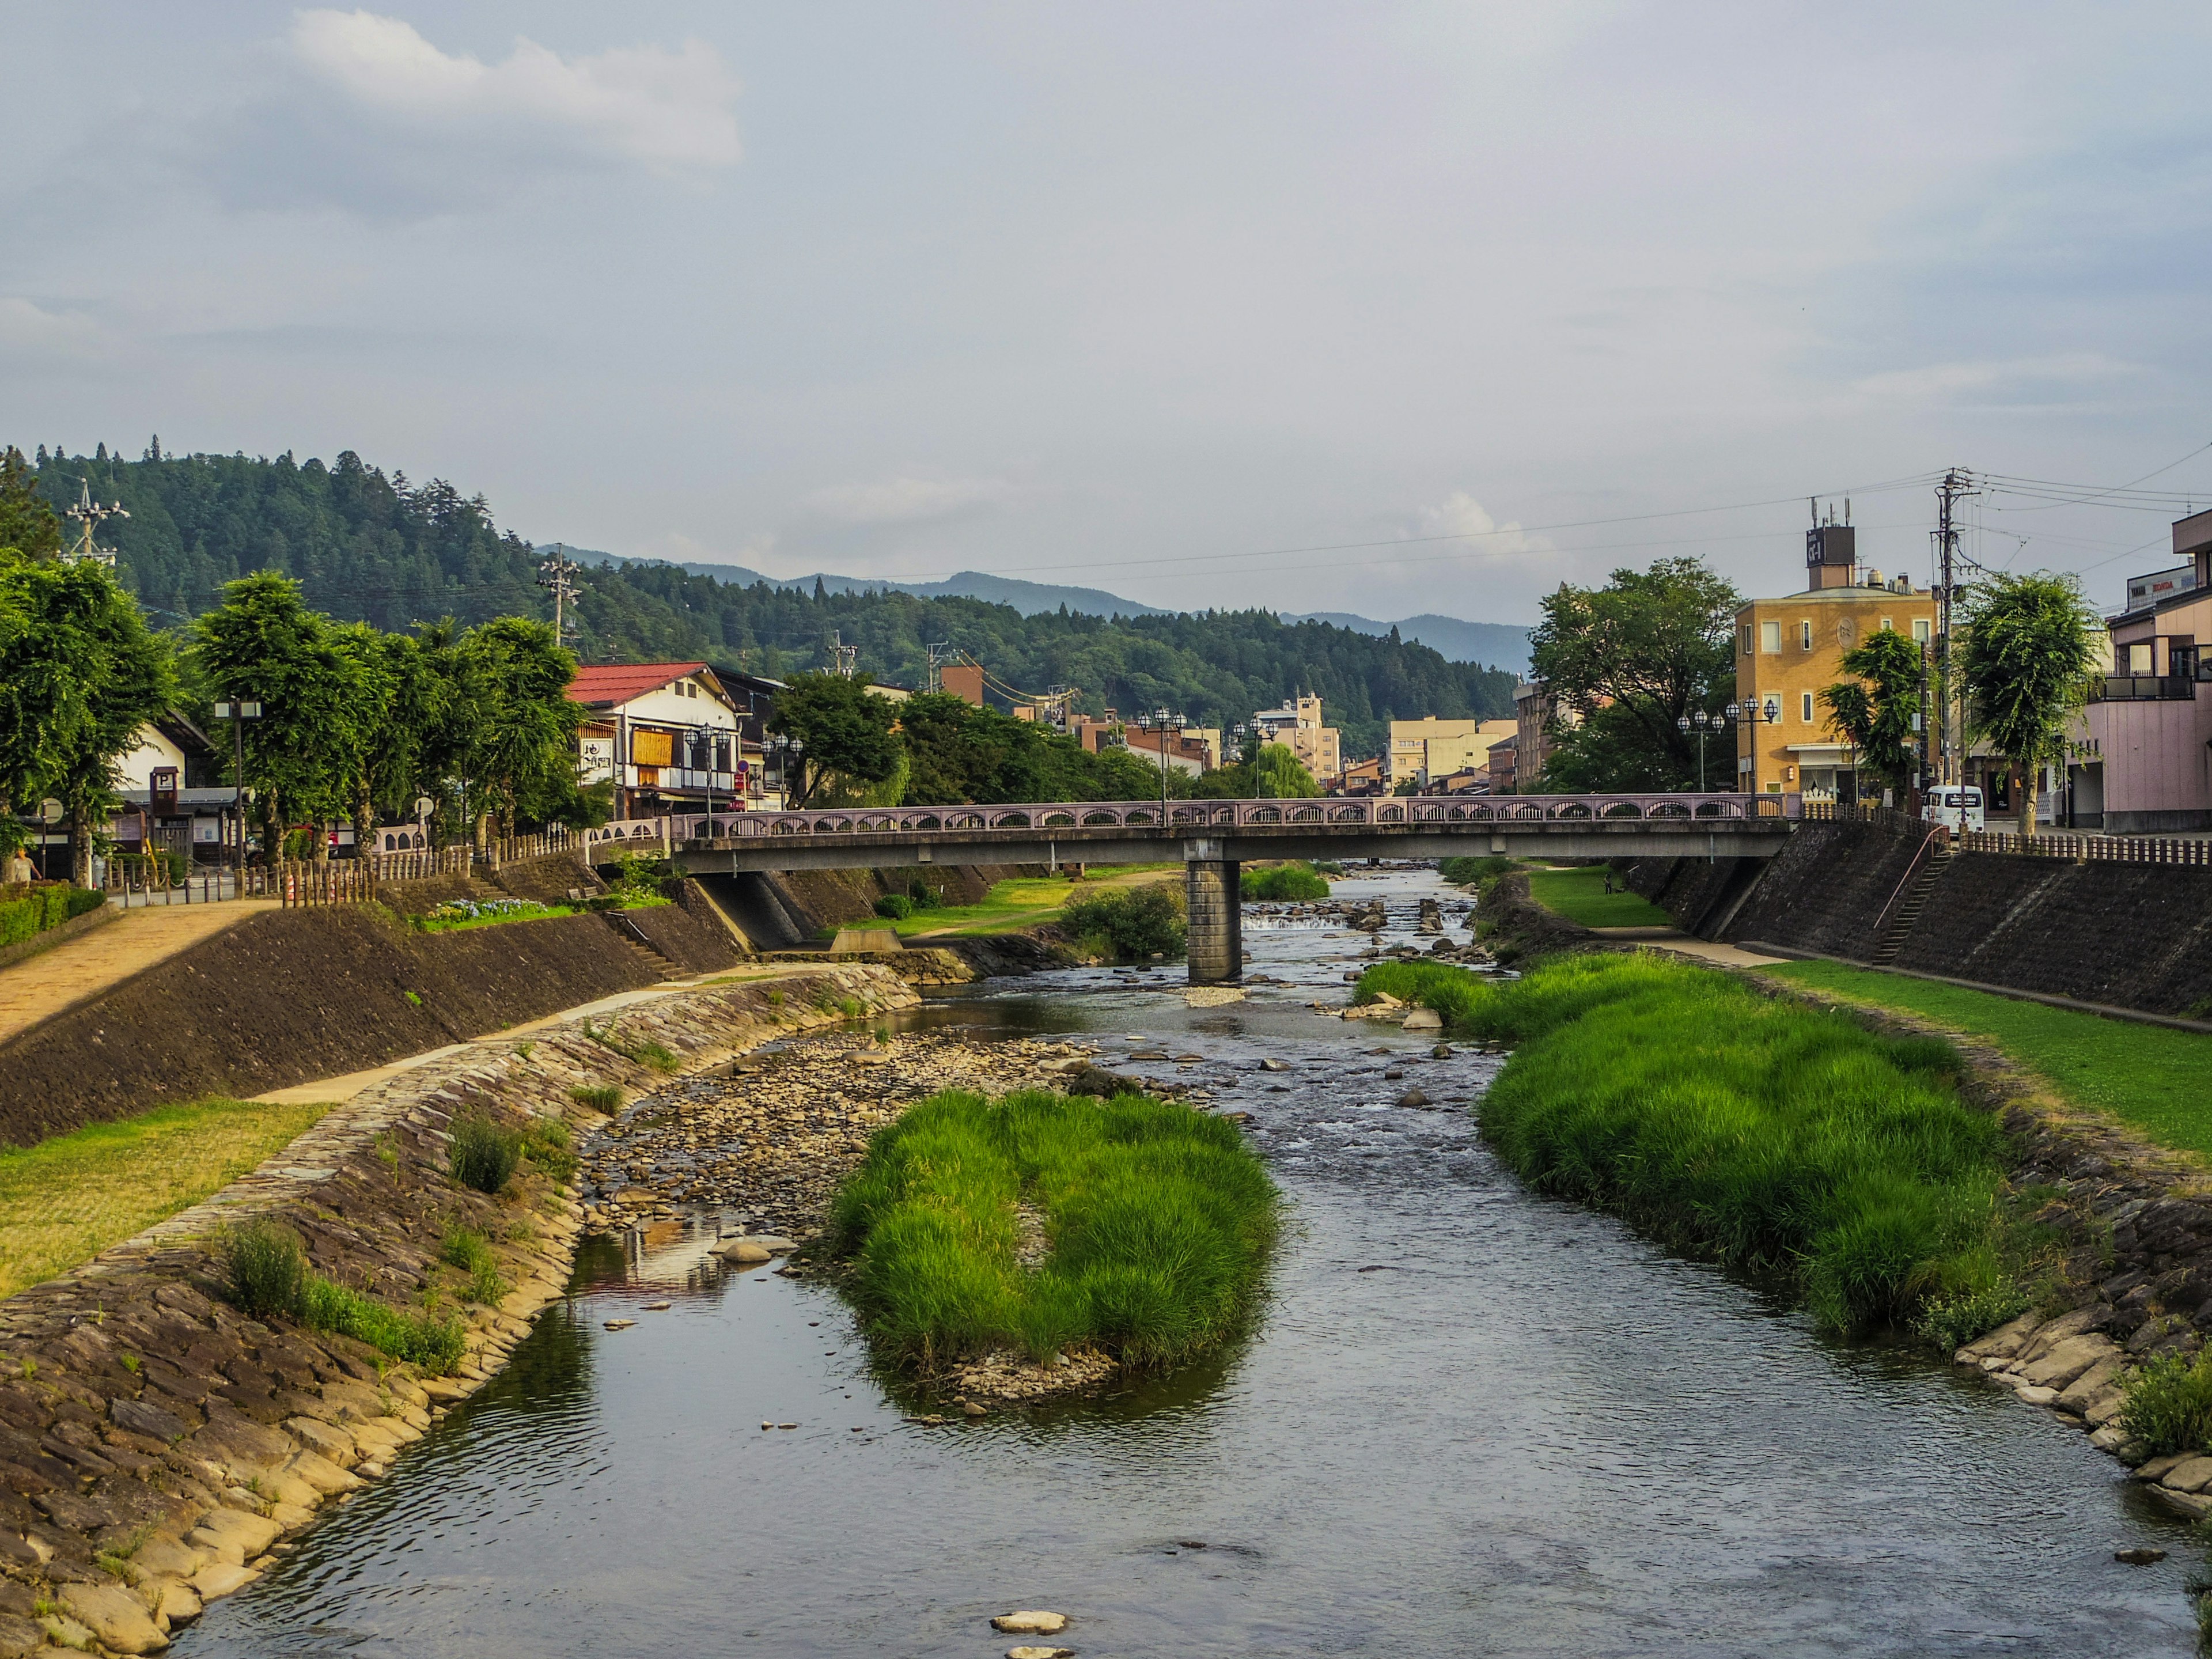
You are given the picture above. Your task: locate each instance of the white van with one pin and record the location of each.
(1959, 808)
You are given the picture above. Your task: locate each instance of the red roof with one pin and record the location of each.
(612, 682)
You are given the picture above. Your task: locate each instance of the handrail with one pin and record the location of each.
(1921, 852)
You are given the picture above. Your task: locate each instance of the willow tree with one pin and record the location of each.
(2024, 669)
(521, 737)
(1873, 710)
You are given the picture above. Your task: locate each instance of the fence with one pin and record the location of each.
(328, 881)
(421, 866)
(2082, 849)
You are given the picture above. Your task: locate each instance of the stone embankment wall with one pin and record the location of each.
(2127, 935)
(1514, 926)
(156, 1443)
(778, 910)
(288, 996)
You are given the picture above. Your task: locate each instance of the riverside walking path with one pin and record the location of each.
(1713, 951)
(53, 981)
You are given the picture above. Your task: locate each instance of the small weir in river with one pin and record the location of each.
(1470, 1421)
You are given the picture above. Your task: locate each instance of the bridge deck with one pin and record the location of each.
(1134, 832)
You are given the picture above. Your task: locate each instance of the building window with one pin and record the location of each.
(1922, 630)
(1886, 627)
(1806, 714)
(1770, 636)
(1743, 638)
(1804, 636)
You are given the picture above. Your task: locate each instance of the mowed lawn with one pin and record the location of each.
(1022, 903)
(2146, 1076)
(1580, 896)
(64, 1200)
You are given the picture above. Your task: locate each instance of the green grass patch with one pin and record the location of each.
(466, 1249)
(2169, 1404)
(1295, 881)
(1024, 902)
(270, 1275)
(1580, 896)
(1473, 871)
(1158, 1220)
(2149, 1077)
(458, 915)
(1783, 1140)
(64, 1200)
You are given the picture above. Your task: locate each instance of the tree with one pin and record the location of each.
(1874, 711)
(1623, 663)
(2025, 668)
(524, 740)
(1273, 772)
(303, 756)
(27, 523)
(847, 730)
(80, 673)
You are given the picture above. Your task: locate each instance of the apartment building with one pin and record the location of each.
(2146, 763)
(1787, 649)
(1428, 749)
(1296, 725)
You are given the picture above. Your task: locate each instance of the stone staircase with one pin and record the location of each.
(648, 956)
(1911, 903)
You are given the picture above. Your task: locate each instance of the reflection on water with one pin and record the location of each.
(1471, 1421)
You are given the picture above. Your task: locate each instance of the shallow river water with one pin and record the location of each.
(1471, 1421)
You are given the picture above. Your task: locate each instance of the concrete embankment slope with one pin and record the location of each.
(2136, 936)
(155, 1442)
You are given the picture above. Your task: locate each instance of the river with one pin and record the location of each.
(1471, 1421)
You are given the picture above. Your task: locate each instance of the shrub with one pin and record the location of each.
(470, 1251)
(597, 1097)
(924, 896)
(1134, 921)
(1295, 881)
(268, 1269)
(547, 1143)
(1783, 1141)
(483, 1154)
(1159, 1220)
(896, 906)
(2169, 1404)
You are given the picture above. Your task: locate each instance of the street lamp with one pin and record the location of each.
(1699, 721)
(238, 713)
(789, 752)
(702, 738)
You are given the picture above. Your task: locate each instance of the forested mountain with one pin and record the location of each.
(384, 550)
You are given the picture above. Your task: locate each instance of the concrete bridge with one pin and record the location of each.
(1214, 838)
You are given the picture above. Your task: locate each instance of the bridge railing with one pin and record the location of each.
(1325, 813)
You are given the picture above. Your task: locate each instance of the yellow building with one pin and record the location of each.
(1429, 749)
(1787, 649)
(1296, 725)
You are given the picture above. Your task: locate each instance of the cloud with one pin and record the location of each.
(2007, 381)
(1460, 514)
(29, 330)
(668, 109)
(906, 499)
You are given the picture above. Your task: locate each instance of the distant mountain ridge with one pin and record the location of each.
(1495, 644)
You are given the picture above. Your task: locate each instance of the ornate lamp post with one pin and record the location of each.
(1699, 721)
(238, 713)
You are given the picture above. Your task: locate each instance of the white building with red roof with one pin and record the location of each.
(666, 733)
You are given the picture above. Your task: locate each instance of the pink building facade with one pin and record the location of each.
(2145, 765)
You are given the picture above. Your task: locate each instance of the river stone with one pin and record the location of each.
(231, 1535)
(1424, 1019)
(172, 1598)
(742, 1253)
(2191, 1476)
(2061, 1365)
(1040, 1653)
(19, 1637)
(321, 1473)
(2003, 1342)
(2035, 1396)
(2084, 1390)
(165, 1558)
(66, 1631)
(211, 1583)
(117, 1617)
(1032, 1623)
(1413, 1098)
(2063, 1328)
(320, 1438)
(140, 1418)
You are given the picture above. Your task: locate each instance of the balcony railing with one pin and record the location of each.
(2143, 688)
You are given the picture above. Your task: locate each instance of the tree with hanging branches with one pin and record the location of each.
(2025, 667)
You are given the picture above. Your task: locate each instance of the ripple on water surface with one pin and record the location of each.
(1472, 1421)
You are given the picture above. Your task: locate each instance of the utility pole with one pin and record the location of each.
(940, 653)
(845, 658)
(1957, 486)
(91, 514)
(558, 571)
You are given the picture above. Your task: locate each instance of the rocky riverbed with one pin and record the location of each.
(766, 1142)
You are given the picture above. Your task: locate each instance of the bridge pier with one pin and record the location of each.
(1212, 887)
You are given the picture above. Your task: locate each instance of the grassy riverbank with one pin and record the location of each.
(2149, 1077)
(1025, 902)
(1580, 896)
(64, 1200)
(1039, 1222)
(1780, 1140)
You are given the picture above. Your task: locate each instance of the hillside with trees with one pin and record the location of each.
(371, 547)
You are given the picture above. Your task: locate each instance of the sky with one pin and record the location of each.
(1383, 308)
